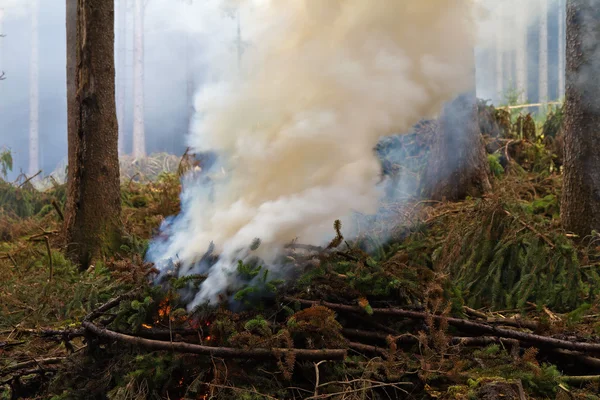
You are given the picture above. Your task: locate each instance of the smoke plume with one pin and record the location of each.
(320, 83)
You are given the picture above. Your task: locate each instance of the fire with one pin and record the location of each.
(147, 326)
(208, 338)
(164, 308)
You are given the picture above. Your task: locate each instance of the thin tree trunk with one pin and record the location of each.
(93, 198)
(580, 206)
(139, 136)
(1, 41)
(521, 54)
(499, 60)
(510, 69)
(457, 165)
(190, 84)
(543, 63)
(34, 95)
(561, 48)
(121, 13)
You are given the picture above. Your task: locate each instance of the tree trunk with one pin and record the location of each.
(190, 81)
(499, 61)
(521, 54)
(34, 93)
(139, 136)
(543, 63)
(580, 206)
(457, 165)
(561, 48)
(121, 14)
(1, 42)
(93, 202)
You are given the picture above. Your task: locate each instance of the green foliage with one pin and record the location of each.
(498, 268)
(255, 283)
(149, 373)
(495, 167)
(26, 201)
(6, 162)
(576, 316)
(131, 315)
(553, 124)
(258, 325)
(547, 206)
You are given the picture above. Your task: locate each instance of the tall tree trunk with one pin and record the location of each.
(499, 60)
(34, 92)
(457, 165)
(93, 202)
(1, 41)
(580, 206)
(521, 54)
(510, 69)
(121, 36)
(561, 48)
(139, 135)
(543, 63)
(190, 81)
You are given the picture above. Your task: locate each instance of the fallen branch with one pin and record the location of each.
(412, 339)
(530, 338)
(110, 304)
(39, 371)
(9, 256)
(6, 345)
(29, 179)
(366, 348)
(58, 210)
(532, 229)
(67, 334)
(580, 379)
(51, 272)
(582, 358)
(222, 352)
(31, 363)
(515, 322)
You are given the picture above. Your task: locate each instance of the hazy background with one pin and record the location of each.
(178, 37)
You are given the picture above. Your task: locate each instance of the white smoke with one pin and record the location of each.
(321, 82)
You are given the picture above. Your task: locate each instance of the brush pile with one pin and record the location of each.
(486, 298)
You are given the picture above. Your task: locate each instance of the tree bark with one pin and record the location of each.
(457, 165)
(121, 36)
(34, 93)
(543, 63)
(580, 206)
(139, 135)
(94, 203)
(561, 48)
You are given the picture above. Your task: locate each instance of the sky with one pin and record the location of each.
(175, 31)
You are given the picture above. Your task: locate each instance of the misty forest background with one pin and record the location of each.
(520, 59)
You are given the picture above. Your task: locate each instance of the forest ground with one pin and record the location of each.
(484, 298)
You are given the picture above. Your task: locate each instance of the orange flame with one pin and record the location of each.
(164, 308)
(147, 326)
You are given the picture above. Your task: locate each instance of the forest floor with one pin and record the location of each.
(480, 299)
